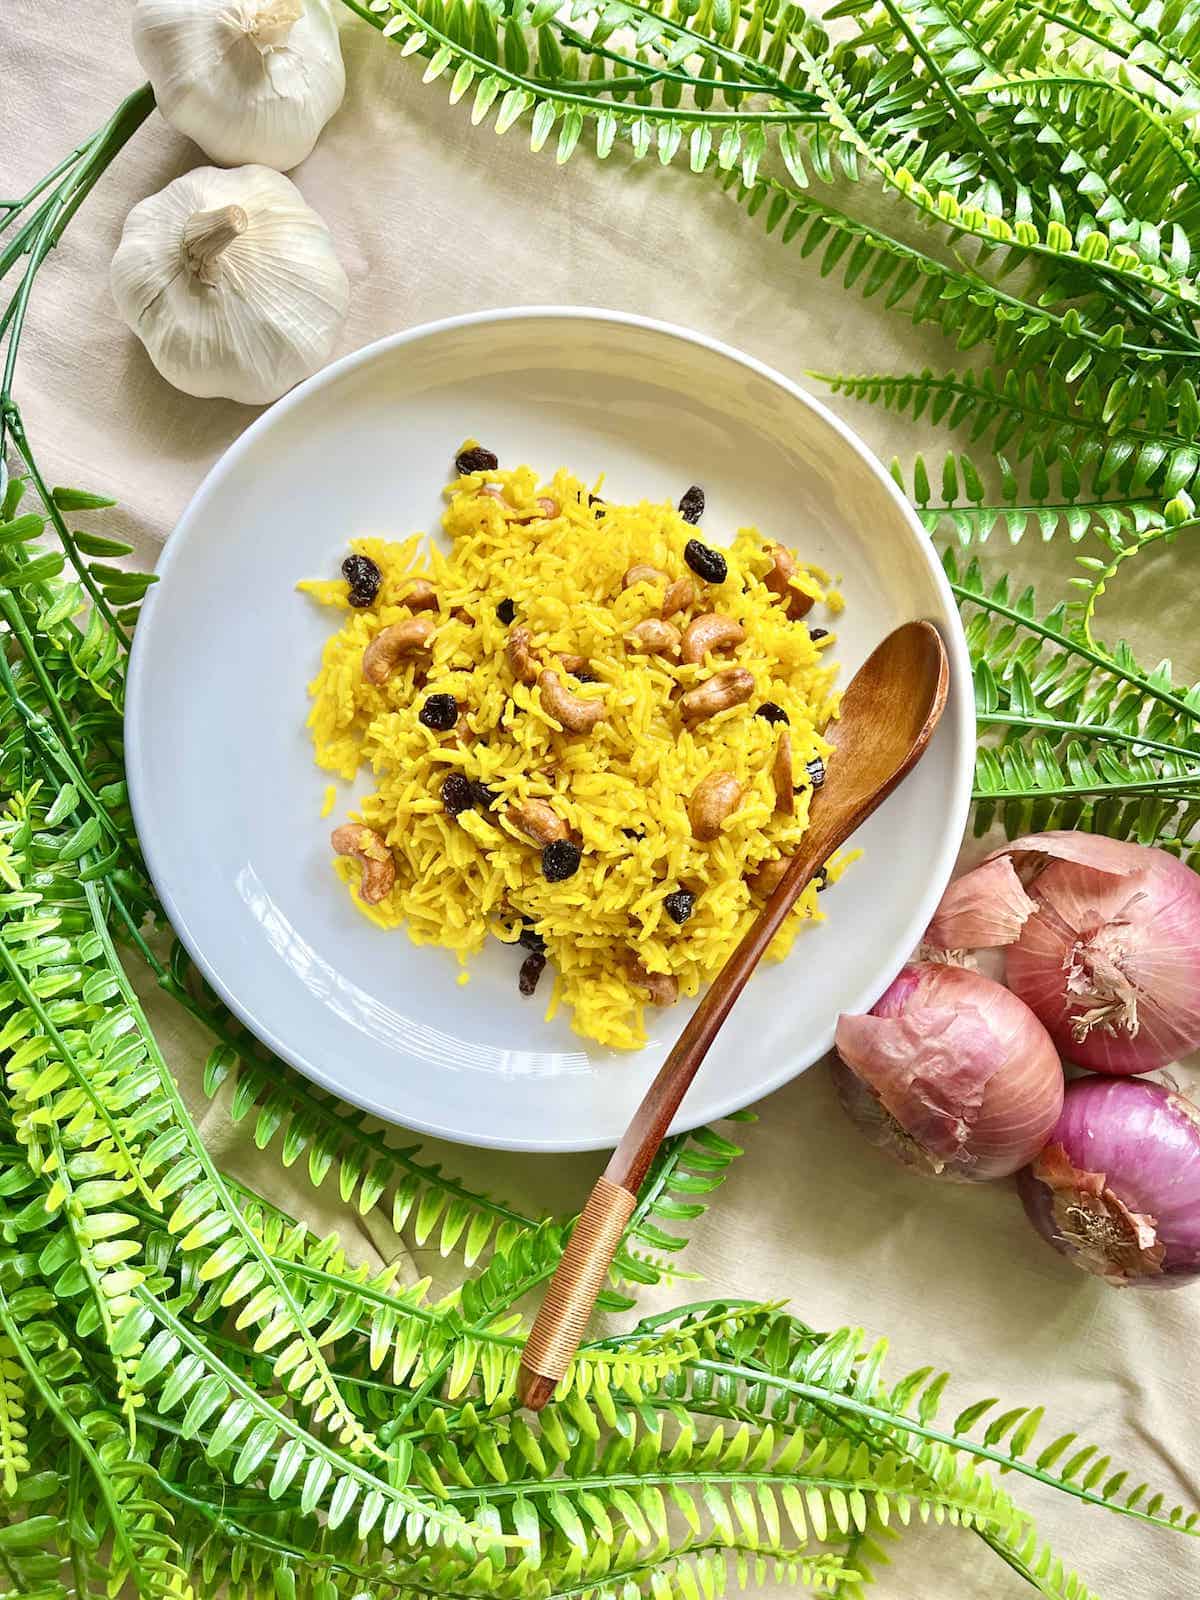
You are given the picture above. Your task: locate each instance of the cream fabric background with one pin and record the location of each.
(433, 217)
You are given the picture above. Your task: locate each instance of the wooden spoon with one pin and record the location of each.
(889, 711)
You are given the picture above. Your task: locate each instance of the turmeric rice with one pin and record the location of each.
(598, 797)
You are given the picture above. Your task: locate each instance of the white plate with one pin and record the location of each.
(226, 796)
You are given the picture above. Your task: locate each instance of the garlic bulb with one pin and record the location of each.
(231, 283)
(248, 80)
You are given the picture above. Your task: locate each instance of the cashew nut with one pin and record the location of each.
(548, 506)
(573, 663)
(642, 573)
(391, 645)
(654, 638)
(783, 564)
(575, 714)
(678, 597)
(713, 799)
(768, 877)
(718, 693)
(711, 631)
(520, 655)
(420, 596)
(537, 821)
(378, 868)
(661, 988)
(781, 773)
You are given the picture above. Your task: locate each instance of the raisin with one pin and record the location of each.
(816, 771)
(821, 879)
(456, 794)
(440, 712)
(772, 713)
(482, 795)
(531, 939)
(585, 677)
(691, 507)
(364, 578)
(477, 459)
(818, 633)
(531, 970)
(705, 563)
(506, 611)
(680, 905)
(560, 860)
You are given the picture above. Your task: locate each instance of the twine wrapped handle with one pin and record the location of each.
(564, 1314)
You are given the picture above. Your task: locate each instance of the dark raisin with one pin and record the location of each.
(818, 633)
(816, 771)
(531, 939)
(560, 860)
(585, 677)
(680, 905)
(821, 879)
(482, 795)
(595, 500)
(691, 507)
(506, 611)
(704, 562)
(364, 578)
(440, 712)
(456, 794)
(477, 459)
(531, 970)
(634, 833)
(772, 713)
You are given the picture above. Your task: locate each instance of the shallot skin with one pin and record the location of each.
(1117, 1187)
(950, 1073)
(1128, 944)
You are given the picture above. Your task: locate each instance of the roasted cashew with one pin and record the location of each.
(537, 821)
(661, 988)
(783, 565)
(549, 506)
(642, 573)
(712, 631)
(714, 798)
(546, 506)
(654, 638)
(781, 773)
(378, 868)
(767, 879)
(575, 714)
(393, 644)
(678, 597)
(718, 693)
(420, 596)
(573, 663)
(520, 655)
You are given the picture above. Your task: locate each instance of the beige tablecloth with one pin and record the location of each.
(433, 217)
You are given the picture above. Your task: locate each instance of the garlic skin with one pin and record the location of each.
(231, 282)
(248, 80)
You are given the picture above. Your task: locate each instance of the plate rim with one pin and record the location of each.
(951, 628)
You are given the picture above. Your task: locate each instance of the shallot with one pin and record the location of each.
(951, 1073)
(1117, 1188)
(1104, 943)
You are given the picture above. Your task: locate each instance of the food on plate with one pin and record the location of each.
(592, 734)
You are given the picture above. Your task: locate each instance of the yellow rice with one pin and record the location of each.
(623, 788)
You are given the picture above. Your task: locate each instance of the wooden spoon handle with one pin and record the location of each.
(567, 1307)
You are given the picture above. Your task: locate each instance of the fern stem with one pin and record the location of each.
(895, 1419)
(67, 1056)
(542, 89)
(1036, 723)
(80, 1441)
(212, 1173)
(1080, 648)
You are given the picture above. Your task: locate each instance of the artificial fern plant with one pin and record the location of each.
(199, 1396)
